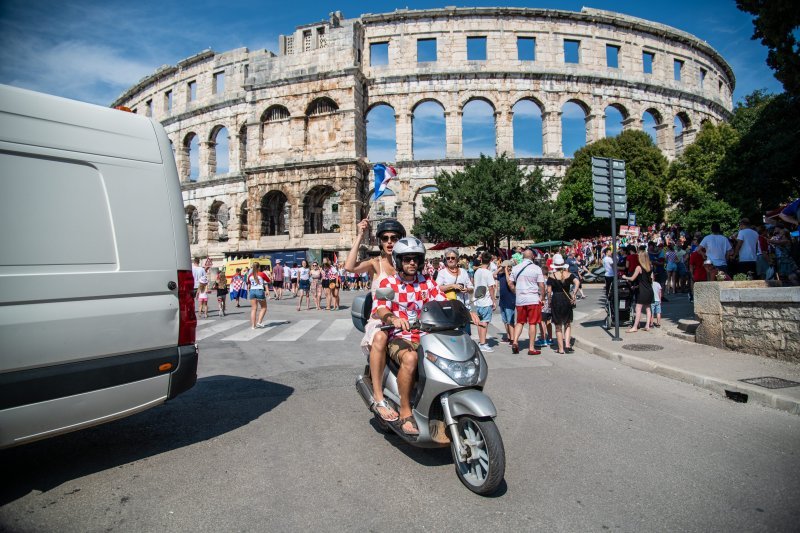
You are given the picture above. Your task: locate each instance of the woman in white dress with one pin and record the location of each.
(374, 342)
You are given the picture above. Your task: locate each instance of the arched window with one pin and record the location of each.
(218, 219)
(323, 126)
(191, 148)
(381, 134)
(321, 106)
(321, 210)
(243, 233)
(428, 131)
(243, 146)
(419, 200)
(192, 224)
(221, 161)
(615, 115)
(275, 113)
(477, 129)
(650, 119)
(573, 127)
(274, 214)
(275, 131)
(527, 124)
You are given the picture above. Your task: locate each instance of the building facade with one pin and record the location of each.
(272, 149)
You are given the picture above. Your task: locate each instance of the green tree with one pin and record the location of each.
(693, 179)
(775, 24)
(645, 169)
(488, 202)
(761, 171)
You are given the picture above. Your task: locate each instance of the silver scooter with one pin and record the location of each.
(447, 400)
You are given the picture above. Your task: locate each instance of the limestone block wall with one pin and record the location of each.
(295, 121)
(750, 317)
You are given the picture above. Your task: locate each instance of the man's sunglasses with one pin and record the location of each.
(410, 258)
(387, 238)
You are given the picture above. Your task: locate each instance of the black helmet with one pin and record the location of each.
(390, 224)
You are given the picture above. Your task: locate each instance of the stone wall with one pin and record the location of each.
(751, 317)
(295, 121)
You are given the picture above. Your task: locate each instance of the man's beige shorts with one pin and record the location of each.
(398, 345)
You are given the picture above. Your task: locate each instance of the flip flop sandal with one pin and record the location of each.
(388, 417)
(414, 432)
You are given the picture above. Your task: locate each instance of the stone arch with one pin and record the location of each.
(275, 211)
(274, 131)
(323, 124)
(218, 218)
(429, 130)
(684, 119)
(655, 113)
(476, 98)
(192, 223)
(652, 123)
(379, 103)
(574, 125)
(615, 117)
(381, 132)
(243, 146)
(323, 105)
(384, 207)
(419, 195)
(527, 126)
(530, 98)
(219, 155)
(189, 164)
(321, 210)
(477, 137)
(243, 221)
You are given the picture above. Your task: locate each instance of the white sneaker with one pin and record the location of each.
(485, 348)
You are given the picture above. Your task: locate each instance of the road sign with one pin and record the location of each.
(609, 186)
(631, 219)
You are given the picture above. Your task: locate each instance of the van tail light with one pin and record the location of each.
(187, 321)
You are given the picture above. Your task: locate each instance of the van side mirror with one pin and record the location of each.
(384, 293)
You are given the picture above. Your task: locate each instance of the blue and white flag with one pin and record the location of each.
(383, 175)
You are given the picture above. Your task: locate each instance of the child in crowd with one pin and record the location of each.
(655, 307)
(545, 326)
(202, 296)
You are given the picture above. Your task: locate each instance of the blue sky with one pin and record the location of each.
(93, 50)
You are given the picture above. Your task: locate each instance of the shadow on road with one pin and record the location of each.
(214, 406)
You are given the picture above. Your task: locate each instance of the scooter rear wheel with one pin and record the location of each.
(484, 468)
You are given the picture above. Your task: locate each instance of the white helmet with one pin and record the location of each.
(408, 246)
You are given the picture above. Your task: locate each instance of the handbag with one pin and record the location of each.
(572, 302)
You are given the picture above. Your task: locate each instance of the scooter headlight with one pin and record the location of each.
(462, 372)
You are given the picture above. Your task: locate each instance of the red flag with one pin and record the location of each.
(335, 260)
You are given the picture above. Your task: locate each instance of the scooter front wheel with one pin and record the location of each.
(484, 466)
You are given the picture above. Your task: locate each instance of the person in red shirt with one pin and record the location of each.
(411, 291)
(697, 269)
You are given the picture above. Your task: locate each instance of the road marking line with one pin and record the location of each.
(218, 328)
(204, 321)
(338, 330)
(295, 331)
(250, 334)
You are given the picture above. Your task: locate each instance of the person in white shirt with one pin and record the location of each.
(486, 304)
(454, 280)
(746, 247)
(608, 265)
(197, 273)
(527, 282)
(655, 307)
(287, 279)
(718, 247)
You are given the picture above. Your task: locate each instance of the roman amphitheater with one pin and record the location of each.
(272, 148)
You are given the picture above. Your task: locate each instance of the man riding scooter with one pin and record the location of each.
(412, 290)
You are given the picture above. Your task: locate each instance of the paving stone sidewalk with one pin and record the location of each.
(664, 351)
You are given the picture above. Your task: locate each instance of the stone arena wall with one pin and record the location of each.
(298, 175)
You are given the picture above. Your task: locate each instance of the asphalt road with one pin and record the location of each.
(275, 438)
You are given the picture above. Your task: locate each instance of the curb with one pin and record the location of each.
(720, 386)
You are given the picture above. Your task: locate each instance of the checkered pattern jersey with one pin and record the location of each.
(408, 300)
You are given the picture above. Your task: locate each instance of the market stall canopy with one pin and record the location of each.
(444, 245)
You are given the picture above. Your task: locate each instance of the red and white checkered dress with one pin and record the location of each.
(409, 296)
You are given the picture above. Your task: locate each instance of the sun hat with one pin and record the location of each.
(558, 261)
(508, 263)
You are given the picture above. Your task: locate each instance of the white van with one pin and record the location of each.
(97, 317)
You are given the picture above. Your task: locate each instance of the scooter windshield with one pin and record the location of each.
(439, 316)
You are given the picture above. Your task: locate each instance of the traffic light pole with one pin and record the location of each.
(614, 253)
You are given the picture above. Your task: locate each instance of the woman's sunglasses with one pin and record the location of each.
(453, 258)
(387, 238)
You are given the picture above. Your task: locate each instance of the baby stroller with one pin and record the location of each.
(625, 301)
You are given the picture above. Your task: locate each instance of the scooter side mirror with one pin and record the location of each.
(384, 293)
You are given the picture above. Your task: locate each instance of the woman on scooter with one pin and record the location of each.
(389, 231)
